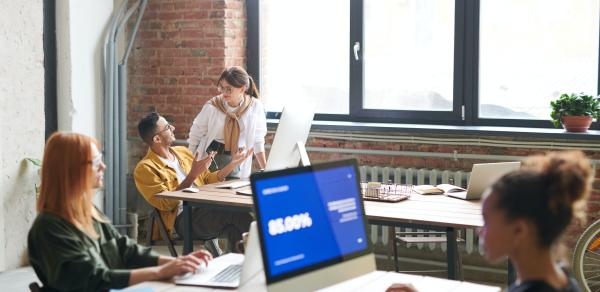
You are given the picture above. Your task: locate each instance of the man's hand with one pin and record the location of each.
(236, 159)
(202, 165)
(241, 155)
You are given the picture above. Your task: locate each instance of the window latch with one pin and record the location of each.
(356, 49)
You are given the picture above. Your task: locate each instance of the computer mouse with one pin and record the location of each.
(190, 190)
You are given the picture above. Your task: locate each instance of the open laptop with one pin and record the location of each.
(230, 270)
(312, 226)
(287, 149)
(484, 175)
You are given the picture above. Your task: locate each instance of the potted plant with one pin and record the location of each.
(575, 111)
(38, 164)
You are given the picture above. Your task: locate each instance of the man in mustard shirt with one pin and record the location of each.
(168, 168)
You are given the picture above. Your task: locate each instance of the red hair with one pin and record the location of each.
(68, 179)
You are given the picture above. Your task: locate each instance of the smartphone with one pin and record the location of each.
(210, 154)
(215, 146)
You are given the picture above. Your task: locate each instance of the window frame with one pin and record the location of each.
(465, 109)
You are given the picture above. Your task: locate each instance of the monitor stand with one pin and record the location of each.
(304, 161)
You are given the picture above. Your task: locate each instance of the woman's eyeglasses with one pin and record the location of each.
(96, 162)
(226, 89)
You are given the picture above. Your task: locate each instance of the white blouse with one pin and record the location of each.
(210, 122)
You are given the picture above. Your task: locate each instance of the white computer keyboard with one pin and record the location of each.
(234, 185)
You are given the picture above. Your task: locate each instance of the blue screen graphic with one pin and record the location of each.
(309, 218)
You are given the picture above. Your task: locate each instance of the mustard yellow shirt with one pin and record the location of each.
(152, 176)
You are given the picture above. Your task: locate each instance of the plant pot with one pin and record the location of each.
(576, 124)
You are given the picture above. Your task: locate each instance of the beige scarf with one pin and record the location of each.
(232, 120)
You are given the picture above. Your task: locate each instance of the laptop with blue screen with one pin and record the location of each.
(311, 225)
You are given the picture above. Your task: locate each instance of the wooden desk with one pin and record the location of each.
(374, 281)
(433, 212)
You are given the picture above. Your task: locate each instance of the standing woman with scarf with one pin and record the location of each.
(232, 121)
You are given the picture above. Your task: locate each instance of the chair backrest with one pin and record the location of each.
(35, 287)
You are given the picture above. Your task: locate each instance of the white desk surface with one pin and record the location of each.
(374, 281)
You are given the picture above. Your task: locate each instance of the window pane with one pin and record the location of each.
(531, 51)
(409, 54)
(304, 53)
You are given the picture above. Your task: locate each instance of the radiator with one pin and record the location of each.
(380, 234)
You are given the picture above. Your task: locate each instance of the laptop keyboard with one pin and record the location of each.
(228, 275)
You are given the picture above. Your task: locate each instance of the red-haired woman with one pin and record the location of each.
(72, 246)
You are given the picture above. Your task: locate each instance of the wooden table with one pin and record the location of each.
(432, 212)
(374, 281)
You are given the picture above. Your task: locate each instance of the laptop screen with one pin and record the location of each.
(309, 217)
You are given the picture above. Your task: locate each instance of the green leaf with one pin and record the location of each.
(35, 161)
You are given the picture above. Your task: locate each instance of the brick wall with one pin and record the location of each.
(182, 47)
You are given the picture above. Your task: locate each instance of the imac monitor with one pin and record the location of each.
(290, 137)
(311, 225)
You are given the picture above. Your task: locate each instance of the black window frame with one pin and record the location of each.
(50, 68)
(465, 111)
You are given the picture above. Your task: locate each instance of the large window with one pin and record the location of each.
(408, 54)
(530, 51)
(462, 62)
(303, 53)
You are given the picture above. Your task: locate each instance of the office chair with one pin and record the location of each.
(211, 243)
(413, 237)
(35, 287)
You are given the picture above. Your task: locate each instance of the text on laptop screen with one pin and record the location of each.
(310, 217)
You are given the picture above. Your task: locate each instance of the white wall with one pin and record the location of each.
(81, 25)
(80, 29)
(21, 122)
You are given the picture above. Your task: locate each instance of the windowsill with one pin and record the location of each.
(539, 133)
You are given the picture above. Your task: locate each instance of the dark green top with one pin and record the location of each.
(67, 259)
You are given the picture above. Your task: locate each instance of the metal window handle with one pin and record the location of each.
(356, 49)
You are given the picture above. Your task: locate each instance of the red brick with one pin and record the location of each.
(181, 5)
(198, 44)
(170, 52)
(195, 91)
(200, 5)
(192, 34)
(166, 35)
(169, 15)
(170, 90)
(196, 15)
(167, 6)
(195, 62)
(168, 71)
(201, 81)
